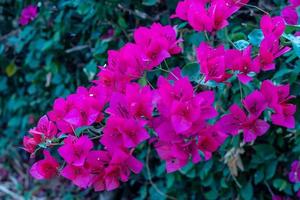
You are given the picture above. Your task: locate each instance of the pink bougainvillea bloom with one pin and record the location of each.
(237, 120)
(44, 128)
(123, 132)
(254, 127)
(136, 102)
(122, 162)
(290, 15)
(46, 168)
(30, 143)
(157, 43)
(294, 175)
(97, 161)
(295, 3)
(277, 98)
(207, 15)
(255, 103)
(272, 26)
(241, 61)
(75, 150)
(79, 175)
(212, 62)
(28, 14)
(177, 154)
(269, 50)
(285, 117)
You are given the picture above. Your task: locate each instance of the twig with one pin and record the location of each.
(252, 6)
(150, 179)
(77, 48)
(10, 193)
(269, 188)
(4, 37)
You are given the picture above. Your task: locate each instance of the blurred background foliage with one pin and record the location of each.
(61, 49)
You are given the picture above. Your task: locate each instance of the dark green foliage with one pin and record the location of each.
(61, 49)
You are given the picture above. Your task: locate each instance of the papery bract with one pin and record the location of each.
(75, 150)
(28, 14)
(46, 168)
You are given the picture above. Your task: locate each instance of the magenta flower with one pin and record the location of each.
(97, 161)
(157, 43)
(119, 168)
(79, 175)
(123, 132)
(294, 175)
(255, 103)
(212, 62)
(44, 128)
(28, 14)
(268, 52)
(241, 61)
(290, 15)
(272, 26)
(207, 15)
(46, 168)
(75, 150)
(237, 120)
(135, 102)
(277, 98)
(80, 109)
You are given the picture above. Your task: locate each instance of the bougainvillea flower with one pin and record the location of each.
(295, 3)
(123, 132)
(272, 26)
(290, 15)
(122, 162)
(79, 175)
(254, 127)
(97, 161)
(294, 175)
(157, 43)
(30, 143)
(45, 128)
(136, 102)
(255, 103)
(237, 120)
(207, 15)
(241, 61)
(269, 50)
(285, 117)
(212, 62)
(28, 14)
(75, 150)
(177, 154)
(46, 168)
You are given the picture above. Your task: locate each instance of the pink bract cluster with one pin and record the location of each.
(117, 114)
(28, 14)
(208, 15)
(289, 13)
(219, 64)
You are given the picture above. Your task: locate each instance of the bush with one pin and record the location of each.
(60, 49)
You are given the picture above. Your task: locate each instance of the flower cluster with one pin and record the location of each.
(114, 115)
(217, 63)
(289, 13)
(181, 127)
(28, 14)
(207, 15)
(270, 96)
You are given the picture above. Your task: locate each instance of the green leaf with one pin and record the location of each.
(258, 176)
(80, 130)
(11, 69)
(270, 169)
(255, 37)
(247, 191)
(280, 184)
(192, 70)
(149, 2)
(291, 28)
(90, 70)
(241, 44)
